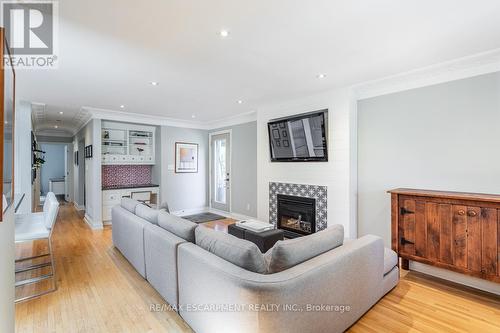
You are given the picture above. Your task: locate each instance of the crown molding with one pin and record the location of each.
(47, 132)
(231, 121)
(474, 65)
(139, 118)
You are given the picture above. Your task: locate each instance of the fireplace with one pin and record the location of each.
(296, 215)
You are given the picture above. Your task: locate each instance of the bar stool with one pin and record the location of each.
(37, 226)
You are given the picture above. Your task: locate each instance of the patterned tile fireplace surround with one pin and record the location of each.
(300, 190)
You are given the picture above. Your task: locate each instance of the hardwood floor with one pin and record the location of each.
(99, 291)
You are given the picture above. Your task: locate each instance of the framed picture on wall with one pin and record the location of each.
(186, 157)
(88, 151)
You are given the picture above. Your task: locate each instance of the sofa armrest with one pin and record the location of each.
(348, 277)
(128, 237)
(160, 249)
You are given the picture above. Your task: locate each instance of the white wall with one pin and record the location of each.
(22, 158)
(335, 174)
(183, 191)
(7, 253)
(441, 137)
(91, 135)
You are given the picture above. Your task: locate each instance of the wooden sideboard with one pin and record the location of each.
(452, 230)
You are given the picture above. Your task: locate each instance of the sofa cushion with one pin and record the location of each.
(129, 204)
(178, 226)
(240, 252)
(390, 260)
(147, 213)
(288, 253)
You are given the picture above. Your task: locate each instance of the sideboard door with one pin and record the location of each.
(407, 226)
(489, 251)
(459, 231)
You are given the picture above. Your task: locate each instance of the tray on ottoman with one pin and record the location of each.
(264, 239)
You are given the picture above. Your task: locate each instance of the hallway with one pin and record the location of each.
(98, 290)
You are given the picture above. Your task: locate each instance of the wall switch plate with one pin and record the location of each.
(248, 207)
(170, 167)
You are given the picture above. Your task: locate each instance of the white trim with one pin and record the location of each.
(474, 65)
(139, 118)
(91, 224)
(78, 207)
(231, 215)
(210, 135)
(112, 115)
(189, 211)
(455, 277)
(233, 120)
(82, 126)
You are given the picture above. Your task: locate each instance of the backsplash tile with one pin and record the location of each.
(116, 175)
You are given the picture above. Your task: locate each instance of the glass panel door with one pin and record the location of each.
(220, 177)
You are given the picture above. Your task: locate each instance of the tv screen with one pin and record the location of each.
(299, 138)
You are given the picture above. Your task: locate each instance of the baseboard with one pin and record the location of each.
(230, 215)
(78, 207)
(93, 225)
(190, 211)
(466, 280)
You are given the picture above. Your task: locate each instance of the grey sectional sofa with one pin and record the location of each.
(217, 282)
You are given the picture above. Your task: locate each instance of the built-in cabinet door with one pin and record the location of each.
(458, 235)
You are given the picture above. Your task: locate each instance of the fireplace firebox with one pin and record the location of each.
(296, 215)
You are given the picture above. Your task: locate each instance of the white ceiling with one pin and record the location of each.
(57, 121)
(111, 49)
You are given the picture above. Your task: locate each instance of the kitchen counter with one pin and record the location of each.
(121, 187)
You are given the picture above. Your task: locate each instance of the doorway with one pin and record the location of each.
(53, 173)
(220, 170)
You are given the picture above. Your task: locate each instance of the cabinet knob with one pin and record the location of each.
(461, 212)
(471, 213)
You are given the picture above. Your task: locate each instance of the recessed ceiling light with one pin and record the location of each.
(240, 102)
(55, 126)
(153, 83)
(60, 112)
(122, 106)
(193, 116)
(224, 33)
(321, 76)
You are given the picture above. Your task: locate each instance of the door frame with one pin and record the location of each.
(210, 135)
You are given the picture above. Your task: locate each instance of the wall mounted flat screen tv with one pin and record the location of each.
(299, 138)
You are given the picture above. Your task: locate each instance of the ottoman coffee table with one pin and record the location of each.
(264, 239)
